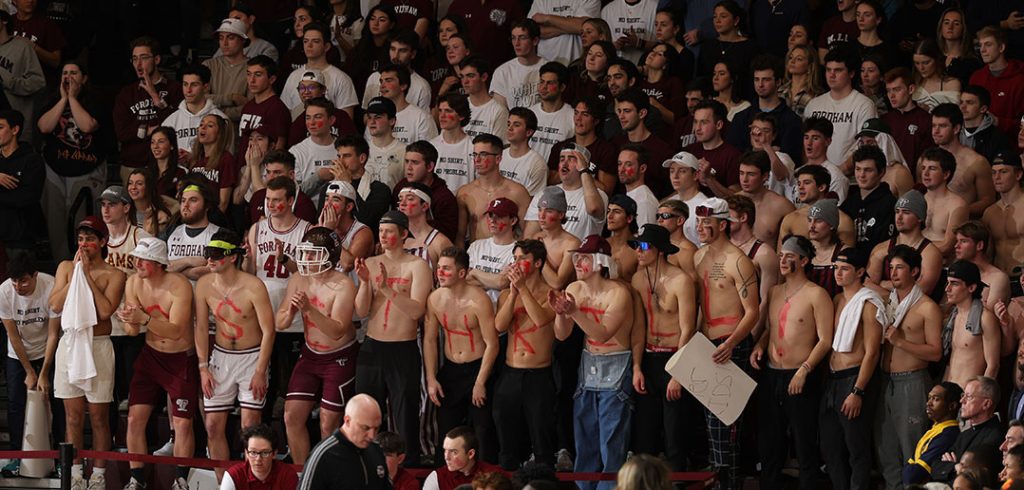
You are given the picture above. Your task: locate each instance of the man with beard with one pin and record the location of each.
(186, 243)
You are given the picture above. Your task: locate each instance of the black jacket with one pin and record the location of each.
(19, 207)
(788, 129)
(983, 439)
(873, 216)
(336, 463)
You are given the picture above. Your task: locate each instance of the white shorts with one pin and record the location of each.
(232, 370)
(102, 385)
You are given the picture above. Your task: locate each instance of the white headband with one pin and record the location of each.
(418, 193)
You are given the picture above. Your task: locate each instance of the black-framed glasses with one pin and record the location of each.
(482, 154)
(259, 454)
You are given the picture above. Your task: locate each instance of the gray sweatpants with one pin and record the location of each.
(900, 421)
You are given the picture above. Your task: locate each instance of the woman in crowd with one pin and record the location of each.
(590, 79)
(643, 472)
(661, 81)
(798, 36)
(165, 166)
(439, 70)
(372, 51)
(211, 157)
(668, 29)
(731, 43)
(724, 83)
(870, 19)
(250, 176)
(872, 82)
(955, 44)
(346, 26)
(152, 210)
(802, 81)
(295, 56)
(458, 49)
(934, 86)
(593, 30)
(261, 464)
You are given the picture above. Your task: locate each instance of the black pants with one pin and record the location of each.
(845, 443)
(457, 409)
(390, 371)
(567, 357)
(126, 350)
(780, 411)
(287, 347)
(525, 399)
(662, 425)
(17, 393)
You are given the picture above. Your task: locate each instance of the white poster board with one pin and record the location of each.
(723, 388)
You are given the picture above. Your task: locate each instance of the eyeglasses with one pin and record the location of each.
(642, 246)
(482, 154)
(145, 57)
(972, 396)
(309, 88)
(259, 454)
(666, 215)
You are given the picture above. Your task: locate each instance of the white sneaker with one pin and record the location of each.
(563, 460)
(179, 484)
(133, 484)
(77, 483)
(166, 450)
(97, 482)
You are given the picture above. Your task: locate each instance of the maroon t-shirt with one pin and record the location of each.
(725, 160)
(134, 113)
(410, 11)
(271, 117)
(912, 131)
(343, 125)
(490, 26)
(835, 31)
(40, 30)
(224, 175)
(656, 176)
(668, 92)
(304, 207)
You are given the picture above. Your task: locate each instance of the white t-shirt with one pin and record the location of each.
(340, 90)
(566, 47)
(847, 116)
(552, 127)
(517, 82)
(454, 164)
(690, 225)
(577, 220)
(418, 94)
(30, 314)
(785, 186)
(387, 164)
(646, 205)
(490, 118)
(186, 124)
(351, 34)
(621, 16)
(182, 245)
(530, 170)
(411, 124)
(310, 157)
(487, 256)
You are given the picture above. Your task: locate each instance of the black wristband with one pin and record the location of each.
(857, 391)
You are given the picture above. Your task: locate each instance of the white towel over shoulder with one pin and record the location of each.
(849, 318)
(77, 321)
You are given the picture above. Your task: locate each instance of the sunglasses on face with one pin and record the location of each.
(666, 215)
(642, 246)
(215, 253)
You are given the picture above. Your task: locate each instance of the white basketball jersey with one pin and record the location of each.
(273, 274)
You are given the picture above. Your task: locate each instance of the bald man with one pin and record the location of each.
(349, 458)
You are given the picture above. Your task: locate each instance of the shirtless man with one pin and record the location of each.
(107, 286)
(845, 422)
(766, 263)
(911, 211)
(621, 225)
(972, 180)
(321, 297)
(798, 337)
(1007, 232)
(946, 210)
(393, 289)
(729, 310)
(812, 183)
(426, 242)
(672, 215)
(972, 242)
(974, 342)
(161, 301)
(474, 197)
(755, 170)
(243, 341)
(911, 342)
(551, 207)
(822, 221)
(603, 309)
(524, 393)
(666, 294)
(459, 389)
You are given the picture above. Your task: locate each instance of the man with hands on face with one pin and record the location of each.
(798, 337)
(666, 292)
(244, 338)
(471, 347)
(160, 301)
(393, 289)
(603, 309)
(845, 421)
(321, 297)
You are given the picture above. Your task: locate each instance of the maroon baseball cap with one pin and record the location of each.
(594, 244)
(503, 207)
(95, 224)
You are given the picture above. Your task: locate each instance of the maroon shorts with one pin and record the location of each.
(177, 374)
(331, 375)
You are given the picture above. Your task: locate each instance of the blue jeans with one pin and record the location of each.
(603, 410)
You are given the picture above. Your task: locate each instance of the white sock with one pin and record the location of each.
(99, 471)
(76, 470)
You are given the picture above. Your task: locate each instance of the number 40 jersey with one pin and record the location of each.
(274, 274)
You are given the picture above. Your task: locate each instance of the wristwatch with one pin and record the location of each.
(857, 391)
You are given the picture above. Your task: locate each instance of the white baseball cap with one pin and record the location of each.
(151, 248)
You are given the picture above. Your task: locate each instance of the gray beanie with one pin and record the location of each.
(914, 202)
(826, 210)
